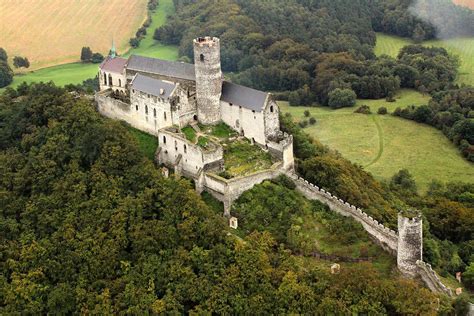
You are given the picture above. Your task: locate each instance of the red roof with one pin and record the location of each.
(116, 64)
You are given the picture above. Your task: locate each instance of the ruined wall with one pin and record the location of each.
(190, 158)
(386, 237)
(207, 63)
(282, 149)
(410, 244)
(229, 190)
(244, 121)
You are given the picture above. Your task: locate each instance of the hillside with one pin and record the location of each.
(463, 48)
(69, 26)
(383, 145)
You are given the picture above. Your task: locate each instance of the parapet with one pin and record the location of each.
(206, 41)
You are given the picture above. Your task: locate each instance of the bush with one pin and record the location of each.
(19, 61)
(6, 74)
(306, 113)
(382, 110)
(303, 123)
(86, 54)
(134, 42)
(3, 55)
(97, 58)
(312, 121)
(339, 98)
(363, 109)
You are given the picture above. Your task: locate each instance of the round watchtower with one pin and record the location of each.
(207, 64)
(410, 244)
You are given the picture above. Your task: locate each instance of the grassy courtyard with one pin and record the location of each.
(242, 158)
(77, 72)
(384, 144)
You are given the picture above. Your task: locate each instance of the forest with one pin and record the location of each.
(89, 225)
(321, 52)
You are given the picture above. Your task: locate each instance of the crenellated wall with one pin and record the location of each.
(410, 244)
(431, 279)
(386, 237)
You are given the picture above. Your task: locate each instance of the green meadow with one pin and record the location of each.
(384, 144)
(463, 48)
(77, 72)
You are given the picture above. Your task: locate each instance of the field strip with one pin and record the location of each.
(380, 134)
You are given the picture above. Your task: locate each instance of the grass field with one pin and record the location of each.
(78, 72)
(465, 3)
(385, 144)
(461, 47)
(51, 32)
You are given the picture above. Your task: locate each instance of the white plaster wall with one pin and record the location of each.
(249, 122)
(148, 122)
(118, 81)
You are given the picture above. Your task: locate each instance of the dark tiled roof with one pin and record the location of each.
(152, 86)
(113, 64)
(161, 67)
(246, 97)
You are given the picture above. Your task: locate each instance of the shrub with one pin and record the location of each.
(382, 110)
(312, 121)
(86, 54)
(97, 58)
(306, 113)
(363, 109)
(3, 54)
(134, 42)
(303, 123)
(6, 74)
(19, 61)
(339, 98)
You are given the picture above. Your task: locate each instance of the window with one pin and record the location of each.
(230, 104)
(136, 107)
(164, 139)
(146, 109)
(164, 115)
(133, 90)
(120, 82)
(253, 111)
(185, 149)
(271, 108)
(110, 80)
(105, 79)
(195, 117)
(154, 112)
(201, 57)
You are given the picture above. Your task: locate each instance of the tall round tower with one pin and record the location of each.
(410, 244)
(207, 64)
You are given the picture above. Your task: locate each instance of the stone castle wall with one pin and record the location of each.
(207, 64)
(431, 279)
(386, 237)
(245, 121)
(272, 118)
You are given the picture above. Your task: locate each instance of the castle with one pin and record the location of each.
(163, 98)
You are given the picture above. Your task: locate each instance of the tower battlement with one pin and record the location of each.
(410, 243)
(206, 41)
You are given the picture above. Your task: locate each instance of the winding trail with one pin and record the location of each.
(381, 144)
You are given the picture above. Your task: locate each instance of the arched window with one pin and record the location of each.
(154, 112)
(164, 139)
(164, 115)
(185, 149)
(105, 79)
(271, 108)
(136, 107)
(201, 58)
(195, 117)
(146, 109)
(120, 82)
(110, 80)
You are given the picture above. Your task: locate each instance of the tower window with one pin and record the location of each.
(136, 107)
(271, 108)
(164, 139)
(201, 57)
